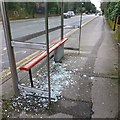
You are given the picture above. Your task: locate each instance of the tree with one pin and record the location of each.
(76, 6)
(30, 9)
(90, 7)
(111, 9)
(53, 8)
(21, 8)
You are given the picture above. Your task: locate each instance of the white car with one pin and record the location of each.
(66, 15)
(71, 13)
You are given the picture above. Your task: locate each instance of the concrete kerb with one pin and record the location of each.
(32, 19)
(32, 55)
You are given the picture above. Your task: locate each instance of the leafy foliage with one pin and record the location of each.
(21, 9)
(111, 9)
(30, 9)
(54, 7)
(76, 7)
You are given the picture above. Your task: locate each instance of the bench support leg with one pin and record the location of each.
(30, 75)
(59, 53)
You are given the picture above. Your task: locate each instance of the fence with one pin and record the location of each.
(115, 26)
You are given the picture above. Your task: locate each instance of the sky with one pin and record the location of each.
(97, 3)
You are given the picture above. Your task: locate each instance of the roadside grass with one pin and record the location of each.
(24, 16)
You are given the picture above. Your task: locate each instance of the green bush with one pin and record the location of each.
(21, 9)
(112, 11)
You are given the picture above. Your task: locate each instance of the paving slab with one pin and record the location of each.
(105, 98)
(78, 109)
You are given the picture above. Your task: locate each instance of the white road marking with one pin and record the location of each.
(25, 52)
(20, 52)
(3, 54)
(4, 48)
(3, 62)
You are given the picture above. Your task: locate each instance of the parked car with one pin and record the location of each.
(71, 13)
(100, 14)
(66, 15)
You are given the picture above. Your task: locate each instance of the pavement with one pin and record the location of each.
(96, 66)
(93, 91)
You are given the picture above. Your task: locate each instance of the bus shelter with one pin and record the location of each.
(21, 42)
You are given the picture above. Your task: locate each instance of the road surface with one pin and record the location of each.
(25, 27)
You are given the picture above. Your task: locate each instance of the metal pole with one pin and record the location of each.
(62, 19)
(10, 49)
(80, 29)
(47, 41)
(30, 75)
(115, 23)
(119, 62)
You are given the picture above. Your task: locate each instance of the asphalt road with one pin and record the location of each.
(25, 27)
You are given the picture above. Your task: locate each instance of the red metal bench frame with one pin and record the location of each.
(33, 62)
